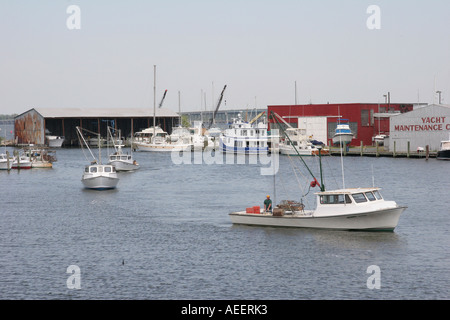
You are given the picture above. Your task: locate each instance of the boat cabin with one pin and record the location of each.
(348, 196)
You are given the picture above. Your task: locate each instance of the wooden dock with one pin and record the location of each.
(379, 151)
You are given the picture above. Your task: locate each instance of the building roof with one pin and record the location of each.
(104, 112)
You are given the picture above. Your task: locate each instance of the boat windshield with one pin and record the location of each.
(359, 197)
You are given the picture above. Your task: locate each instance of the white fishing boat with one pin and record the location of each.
(343, 135)
(343, 209)
(244, 137)
(6, 161)
(96, 175)
(40, 157)
(120, 160)
(444, 150)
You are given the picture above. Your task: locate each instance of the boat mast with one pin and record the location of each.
(154, 102)
(322, 187)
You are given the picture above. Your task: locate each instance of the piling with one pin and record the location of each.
(408, 150)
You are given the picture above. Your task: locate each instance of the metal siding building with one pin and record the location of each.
(366, 119)
(420, 127)
(31, 126)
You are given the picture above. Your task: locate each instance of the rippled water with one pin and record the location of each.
(164, 233)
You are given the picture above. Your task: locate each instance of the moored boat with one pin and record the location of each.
(444, 150)
(343, 135)
(120, 160)
(6, 161)
(244, 137)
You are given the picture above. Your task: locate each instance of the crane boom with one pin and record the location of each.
(217, 107)
(162, 100)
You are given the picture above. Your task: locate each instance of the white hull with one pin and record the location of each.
(55, 142)
(4, 165)
(342, 138)
(22, 164)
(380, 220)
(100, 182)
(124, 165)
(289, 150)
(156, 147)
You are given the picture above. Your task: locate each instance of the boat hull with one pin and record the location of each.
(149, 147)
(380, 220)
(443, 155)
(124, 166)
(4, 165)
(342, 139)
(55, 142)
(100, 182)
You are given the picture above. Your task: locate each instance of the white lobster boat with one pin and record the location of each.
(96, 175)
(99, 177)
(342, 209)
(345, 209)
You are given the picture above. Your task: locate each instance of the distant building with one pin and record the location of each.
(320, 120)
(424, 126)
(31, 126)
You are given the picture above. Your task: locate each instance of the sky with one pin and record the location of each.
(266, 53)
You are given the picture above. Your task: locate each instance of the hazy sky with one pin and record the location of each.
(258, 48)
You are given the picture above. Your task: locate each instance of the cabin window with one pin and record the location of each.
(370, 196)
(124, 157)
(100, 169)
(359, 197)
(377, 195)
(86, 169)
(335, 199)
(93, 169)
(107, 169)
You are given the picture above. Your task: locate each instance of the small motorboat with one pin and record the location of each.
(444, 150)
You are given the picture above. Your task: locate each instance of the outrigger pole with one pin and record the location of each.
(314, 182)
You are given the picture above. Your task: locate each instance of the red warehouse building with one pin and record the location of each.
(320, 120)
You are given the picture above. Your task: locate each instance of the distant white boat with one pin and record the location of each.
(379, 139)
(54, 141)
(297, 142)
(40, 157)
(120, 160)
(160, 141)
(244, 138)
(444, 150)
(6, 161)
(343, 135)
(96, 175)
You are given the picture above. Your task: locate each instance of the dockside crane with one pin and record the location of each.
(217, 107)
(162, 100)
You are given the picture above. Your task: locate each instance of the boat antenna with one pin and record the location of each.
(314, 182)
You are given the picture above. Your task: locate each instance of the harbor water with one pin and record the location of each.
(165, 233)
